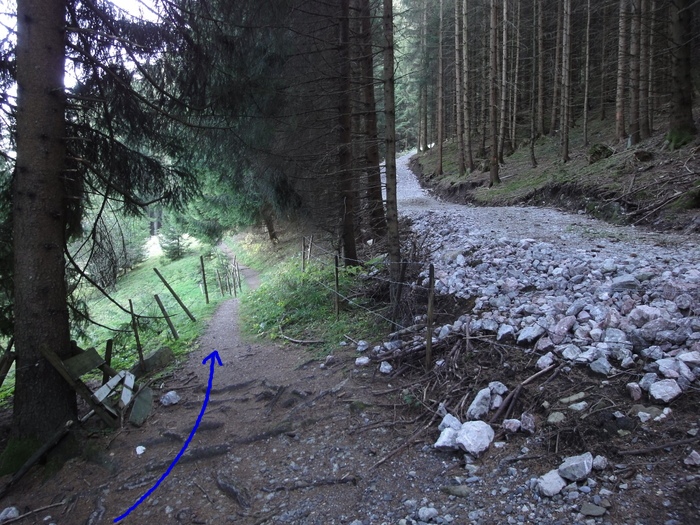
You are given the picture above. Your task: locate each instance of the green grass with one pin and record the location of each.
(140, 285)
(300, 304)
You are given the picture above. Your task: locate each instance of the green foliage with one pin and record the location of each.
(300, 304)
(139, 285)
(16, 453)
(172, 242)
(678, 138)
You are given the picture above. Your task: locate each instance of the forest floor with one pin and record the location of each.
(289, 438)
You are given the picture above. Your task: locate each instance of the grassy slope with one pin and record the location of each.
(621, 188)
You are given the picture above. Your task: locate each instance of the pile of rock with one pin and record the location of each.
(608, 306)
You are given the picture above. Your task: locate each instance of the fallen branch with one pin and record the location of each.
(35, 511)
(58, 436)
(300, 341)
(406, 443)
(314, 483)
(510, 399)
(640, 451)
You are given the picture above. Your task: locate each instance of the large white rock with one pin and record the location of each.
(576, 468)
(551, 484)
(481, 404)
(447, 439)
(475, 437)
(449, 421)
(665, 390)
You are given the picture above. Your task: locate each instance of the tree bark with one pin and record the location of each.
(540, 69)
(459, 109)
(392, 212)
(347, 189)
(644, 128)
(377, 219)
(504, 84)
(566, 80)
(493, 98)
(681, 125)
(533, 82)
(603, 63)
(440, 95)
(515, 92)
(424, 141)
(556, 81)
(43, 401)
(620, 129)
(587, 75)
(634, 71)
(466, 77)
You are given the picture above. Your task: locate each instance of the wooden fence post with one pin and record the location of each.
(204, 279)
(336, 302)
(303, 254)
(108, 359)
(429, 335)
(177, 297)
(135, 326)
(167, 317)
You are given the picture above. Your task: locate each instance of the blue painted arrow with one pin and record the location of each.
(212, 358)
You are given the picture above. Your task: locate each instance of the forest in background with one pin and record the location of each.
(222, 115)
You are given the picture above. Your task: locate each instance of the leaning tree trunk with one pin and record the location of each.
(43, 401)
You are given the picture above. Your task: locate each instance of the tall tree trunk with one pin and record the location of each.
(515, 93)
(566, 80)
(493, 90)
(440, 95)
(587, 75)
(634, 71)
(681, 125)
(459, 109)
(347, 189)
(620, 129)
(652, 66)
(377, 219)
(504, 84)
(485, 88)
(556, 81)
(540, 69)
(392, 212)
(603, 63)
(644, 128)
(466, 77)
(43, 401)
(533, 83)
(423, 145)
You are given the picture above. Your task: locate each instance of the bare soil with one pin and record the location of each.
(284, 440)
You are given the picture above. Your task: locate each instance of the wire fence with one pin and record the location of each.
(308, 256)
